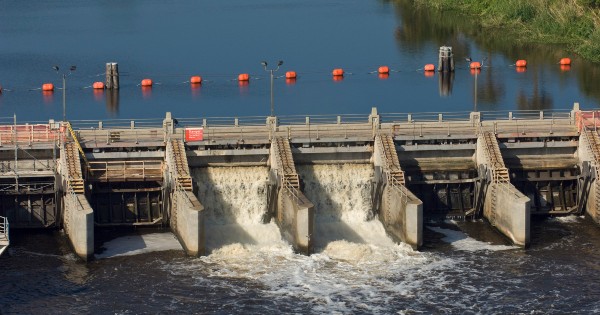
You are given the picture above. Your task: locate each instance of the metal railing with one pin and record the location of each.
(294, 126)
(126, 170)
(4, 228)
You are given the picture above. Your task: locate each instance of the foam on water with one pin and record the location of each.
(355, 261)
(139, 244)
(462, 241)
(569, 219)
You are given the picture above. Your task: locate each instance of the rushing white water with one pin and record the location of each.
(354, 256)
(235, 200)
(462, 241)
(341, 194)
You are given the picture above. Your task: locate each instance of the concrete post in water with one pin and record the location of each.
(114, 68)
(112, 76)
(109, 78)
(446, 59)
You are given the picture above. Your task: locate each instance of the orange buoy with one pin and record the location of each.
(47, 87)
(521, 63)
(565, 61)
(384, 76)
(244, 77)
(338, 72)
(429, 67)
(290, 75)
(196, 79)
(475, 65)
(146, 82)
(383, 70)
(98, 85)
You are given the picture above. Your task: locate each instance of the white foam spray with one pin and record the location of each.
(235, 200)
(354, 261)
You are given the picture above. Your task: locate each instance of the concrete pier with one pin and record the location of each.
(294, 213)
(400, 211)
(589, 159)
(505, 207)
(186, 212)
(78, 215)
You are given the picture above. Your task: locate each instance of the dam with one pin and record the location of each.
(310, 179)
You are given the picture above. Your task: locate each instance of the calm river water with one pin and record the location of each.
(464, 267)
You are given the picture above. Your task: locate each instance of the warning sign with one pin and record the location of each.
(194, 134)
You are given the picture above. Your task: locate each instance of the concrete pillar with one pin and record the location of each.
(188, 222)
(505, 207)
(402, 215)
(584, 154)
(295, 218)
(78, 223)
(509, 212)
(400, 211)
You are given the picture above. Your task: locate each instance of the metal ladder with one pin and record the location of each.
(181, 166)
(284, 153)
(391, 159)
(75, 179)
(76, 140)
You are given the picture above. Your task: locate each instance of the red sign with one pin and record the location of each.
(194, 134)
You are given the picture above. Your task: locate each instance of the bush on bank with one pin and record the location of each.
(573, 23)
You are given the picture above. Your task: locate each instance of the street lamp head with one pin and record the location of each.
(280, 63)
(55, 68)
(73, 68)
(264, 64)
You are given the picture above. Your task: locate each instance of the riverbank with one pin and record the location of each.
(574, 24)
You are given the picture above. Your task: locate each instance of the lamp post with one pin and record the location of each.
(475, 85)
(264, 64)
(64, 89)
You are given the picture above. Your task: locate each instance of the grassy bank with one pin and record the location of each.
(572, 23)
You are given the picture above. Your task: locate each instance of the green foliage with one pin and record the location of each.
(591, 3)
(570, 22)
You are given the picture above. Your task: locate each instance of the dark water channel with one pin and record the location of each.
(464, 268)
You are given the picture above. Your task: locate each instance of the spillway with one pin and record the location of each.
(341, 194)
(235, 202)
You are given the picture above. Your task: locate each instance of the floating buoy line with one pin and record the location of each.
(290, 76)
